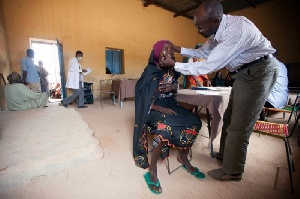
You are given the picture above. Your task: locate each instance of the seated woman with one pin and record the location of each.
(218, 80)
(55, 91)
(197, 81)
(157, 112)
(20, 97)
(229, 79)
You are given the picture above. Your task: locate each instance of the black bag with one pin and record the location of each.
(88, 94)
(88, 98)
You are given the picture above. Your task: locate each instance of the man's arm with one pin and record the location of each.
(74, 66)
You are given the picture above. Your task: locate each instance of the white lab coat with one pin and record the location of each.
(74, 74)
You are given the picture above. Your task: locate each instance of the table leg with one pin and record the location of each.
(209, 133)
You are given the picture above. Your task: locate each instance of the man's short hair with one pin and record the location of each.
(29, 51)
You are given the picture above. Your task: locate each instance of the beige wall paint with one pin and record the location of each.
(5, 66)
(92, 25)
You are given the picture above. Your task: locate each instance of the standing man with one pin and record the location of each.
(236, 43)
(30, 74)
(44, 80)
(75, 81)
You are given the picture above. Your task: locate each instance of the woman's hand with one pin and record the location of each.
(163, 110)
(167, 87)
(208, 83)
(167, 111)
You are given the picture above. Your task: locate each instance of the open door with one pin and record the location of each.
(62, 70)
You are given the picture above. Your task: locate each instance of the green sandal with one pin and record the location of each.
(197, 173)
(149, 183)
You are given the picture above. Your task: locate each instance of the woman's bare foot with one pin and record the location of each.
(184, 160)
(153, 178)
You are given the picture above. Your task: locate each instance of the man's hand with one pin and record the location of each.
(167, 62)
(175, 48)
(167, 87)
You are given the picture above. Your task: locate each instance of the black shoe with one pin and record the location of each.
(82, 106)
(62, 103)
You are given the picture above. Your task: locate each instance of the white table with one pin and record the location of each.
(214, 104)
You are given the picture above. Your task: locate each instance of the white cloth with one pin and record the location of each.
(74, 74)
(236, 42)
(280, 92)
(20, 97)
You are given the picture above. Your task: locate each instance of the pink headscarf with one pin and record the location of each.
(157, 48)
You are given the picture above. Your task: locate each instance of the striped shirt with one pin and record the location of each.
(236, 42)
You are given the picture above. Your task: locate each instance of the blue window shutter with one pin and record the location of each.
(114, 60)
(109, 60)
(117, 61)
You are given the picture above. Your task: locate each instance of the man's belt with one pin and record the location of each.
(266, 57)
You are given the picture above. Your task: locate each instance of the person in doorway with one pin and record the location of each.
(75, 81)
(218, 80)
(44, 80)
(20, 97)
(157, 112)
(30, 73)
(236, 43)
(194, 80)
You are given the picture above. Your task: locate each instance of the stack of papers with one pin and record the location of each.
(207, 93)
(206, 88)
(88, 70)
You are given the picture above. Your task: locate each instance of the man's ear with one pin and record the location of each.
(216, 21)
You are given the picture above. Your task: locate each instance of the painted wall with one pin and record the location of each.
(5, 66)
(92, 25)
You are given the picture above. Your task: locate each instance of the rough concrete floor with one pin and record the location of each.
(51, 153)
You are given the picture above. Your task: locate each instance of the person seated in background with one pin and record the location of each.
(194, 80)
(55, 92)
(157, 112)
(229, 79)
(218, 80)
(278, 98)
(20, 97)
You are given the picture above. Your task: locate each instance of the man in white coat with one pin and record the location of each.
(75, 81)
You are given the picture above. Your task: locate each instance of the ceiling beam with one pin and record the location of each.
(187, 10)
(146, 3)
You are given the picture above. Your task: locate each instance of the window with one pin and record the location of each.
(114, 61)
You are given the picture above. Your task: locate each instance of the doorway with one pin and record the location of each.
(47, 52)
